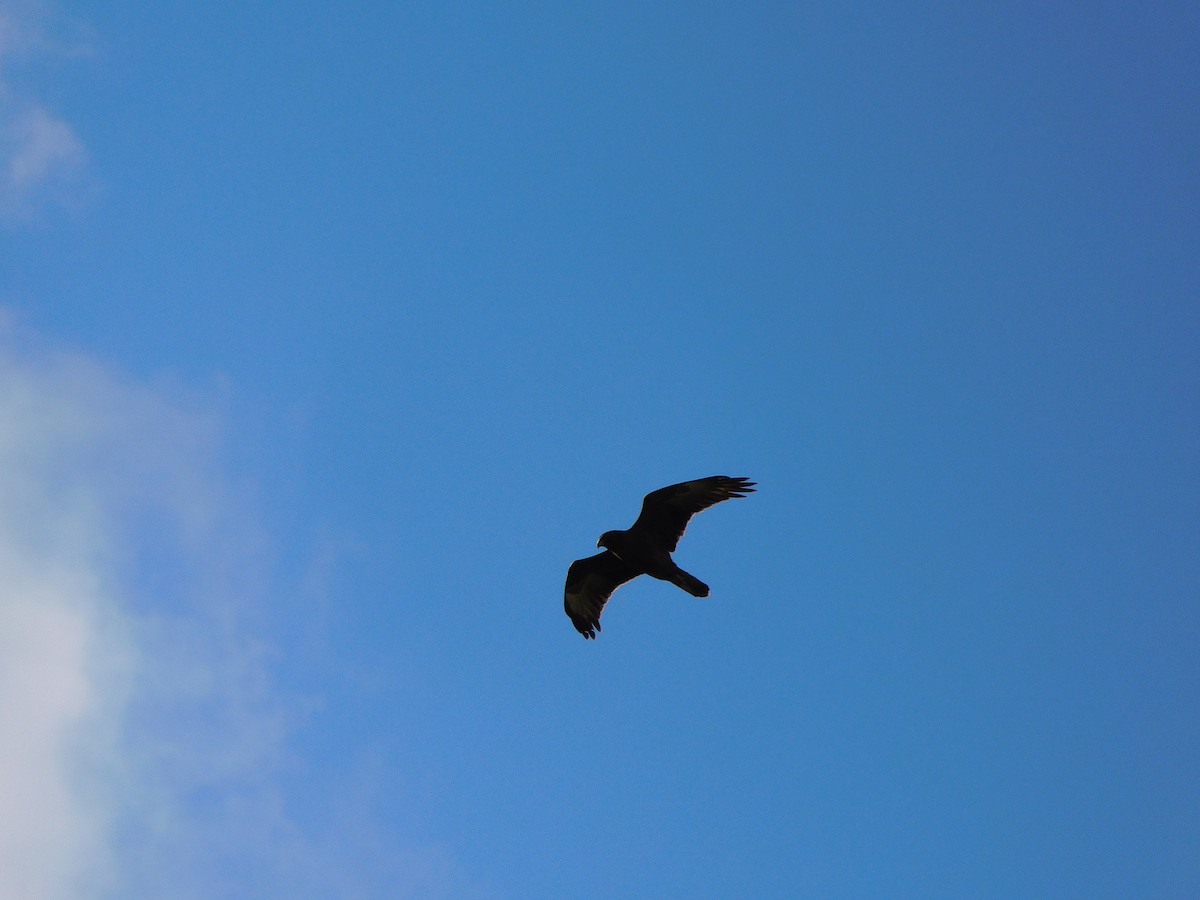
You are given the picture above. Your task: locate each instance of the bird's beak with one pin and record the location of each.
(599, 542)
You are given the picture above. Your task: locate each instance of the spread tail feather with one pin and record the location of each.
(690, 583)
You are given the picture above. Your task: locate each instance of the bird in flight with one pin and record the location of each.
(645, 549)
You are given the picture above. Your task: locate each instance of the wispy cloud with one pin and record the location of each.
(145, 742)
(42, 159)
(126, 679)
(39, 148)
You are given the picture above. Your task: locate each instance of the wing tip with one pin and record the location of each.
(738, 486)
(584, 625)
(587, 629)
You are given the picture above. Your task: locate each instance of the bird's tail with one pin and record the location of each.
(690, 583)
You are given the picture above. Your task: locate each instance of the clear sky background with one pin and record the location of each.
(333, 333)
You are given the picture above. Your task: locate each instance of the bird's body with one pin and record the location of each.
(650, 559)
(645, 548)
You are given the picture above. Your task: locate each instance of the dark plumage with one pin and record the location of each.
(645, 549)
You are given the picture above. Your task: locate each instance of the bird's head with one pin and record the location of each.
(605, 540)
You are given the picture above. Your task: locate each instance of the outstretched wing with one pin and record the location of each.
(665, 512)
(590, 582)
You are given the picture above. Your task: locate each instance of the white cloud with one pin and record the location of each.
(51, 836)
(96, 670)
(144, 745)
(62, 654)
(42, 159)
(39, 148)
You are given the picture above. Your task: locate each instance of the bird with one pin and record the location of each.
(645, 548)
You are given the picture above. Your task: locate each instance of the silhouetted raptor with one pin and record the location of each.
(645, 549)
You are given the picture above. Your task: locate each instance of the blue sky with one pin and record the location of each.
(333, 334)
